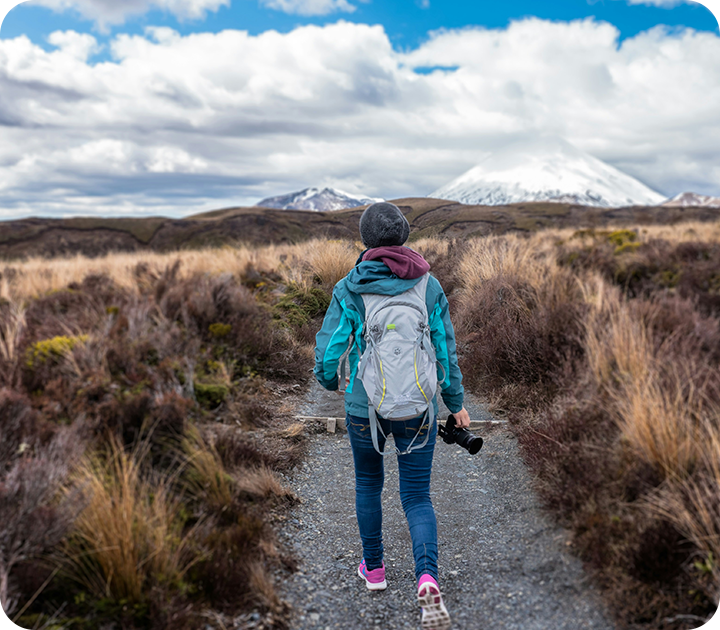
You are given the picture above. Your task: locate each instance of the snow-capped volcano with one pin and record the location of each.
(318, 199)
(547, 169)
(687, 199)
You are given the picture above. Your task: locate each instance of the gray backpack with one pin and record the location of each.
(398, 367)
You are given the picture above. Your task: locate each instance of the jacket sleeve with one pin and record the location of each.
(331, 343)
(443, 338)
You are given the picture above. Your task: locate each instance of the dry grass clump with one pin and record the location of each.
(692, 504)
(326, 262)
(445, 257)
(262, 482)
(131, 536)
(206, 475)
(651, 414)
(532, 260)
(605, 348)
(12, 323)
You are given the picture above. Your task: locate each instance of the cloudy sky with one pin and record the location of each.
(146, 107)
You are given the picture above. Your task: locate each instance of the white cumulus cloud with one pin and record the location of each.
(175, 124)
(309, 7)
(109, 12)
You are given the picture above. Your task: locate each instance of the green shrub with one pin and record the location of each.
(626, 248)
(621, 237)
(668, 278)
(298, 306)
(210, 395)
(219, 330)
(51, 349)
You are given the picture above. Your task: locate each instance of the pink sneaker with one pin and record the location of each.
(434, 614)
(375, 579)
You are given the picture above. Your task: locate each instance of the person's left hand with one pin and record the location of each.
(462, 418)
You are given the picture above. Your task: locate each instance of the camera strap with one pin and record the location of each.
(342, 368)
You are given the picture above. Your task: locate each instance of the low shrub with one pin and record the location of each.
(514, 346)
(210, 395)
(35, 461)
(298, 306)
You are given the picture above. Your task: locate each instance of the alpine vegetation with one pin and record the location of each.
(146, 416)
(145, 430)
(602, 347)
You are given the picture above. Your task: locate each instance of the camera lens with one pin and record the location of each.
(467, 440)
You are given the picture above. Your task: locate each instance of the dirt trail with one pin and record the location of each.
(503, 564)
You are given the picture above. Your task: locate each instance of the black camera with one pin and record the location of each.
(457, 435)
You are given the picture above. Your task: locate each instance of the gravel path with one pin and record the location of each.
(503, 564)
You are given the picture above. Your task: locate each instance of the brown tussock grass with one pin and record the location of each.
(262, 482)
(617, 343)
(657, 409)
(263, 587)
(659, 420)
(328, 260)
(210, 478)
(295, 430)
(431, 247)
(693, 506)
(331, 261)
(207, 475)
(532, 260)
(130, 536)
(11, 329)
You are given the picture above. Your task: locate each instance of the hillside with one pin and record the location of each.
(92, 236)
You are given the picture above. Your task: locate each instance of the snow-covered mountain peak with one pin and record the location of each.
(319, 199)
(546, 169)
(688, 199)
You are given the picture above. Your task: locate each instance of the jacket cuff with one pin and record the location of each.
(329, 385)
(453, 402)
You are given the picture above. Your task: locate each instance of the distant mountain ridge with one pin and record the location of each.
(97, 236)
(547, 169)
(318, 199)
(690, 199)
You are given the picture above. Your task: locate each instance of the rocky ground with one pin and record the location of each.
(503, 563)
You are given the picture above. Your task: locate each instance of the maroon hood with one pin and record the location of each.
(402, 261)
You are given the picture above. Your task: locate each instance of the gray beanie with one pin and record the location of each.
(383, 224)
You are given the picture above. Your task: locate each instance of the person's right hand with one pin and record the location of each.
(462, 418)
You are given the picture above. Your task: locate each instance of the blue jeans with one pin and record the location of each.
(414, 471)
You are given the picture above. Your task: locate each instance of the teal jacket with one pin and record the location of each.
(344, 322)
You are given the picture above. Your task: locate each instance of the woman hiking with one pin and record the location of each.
(390, 318)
